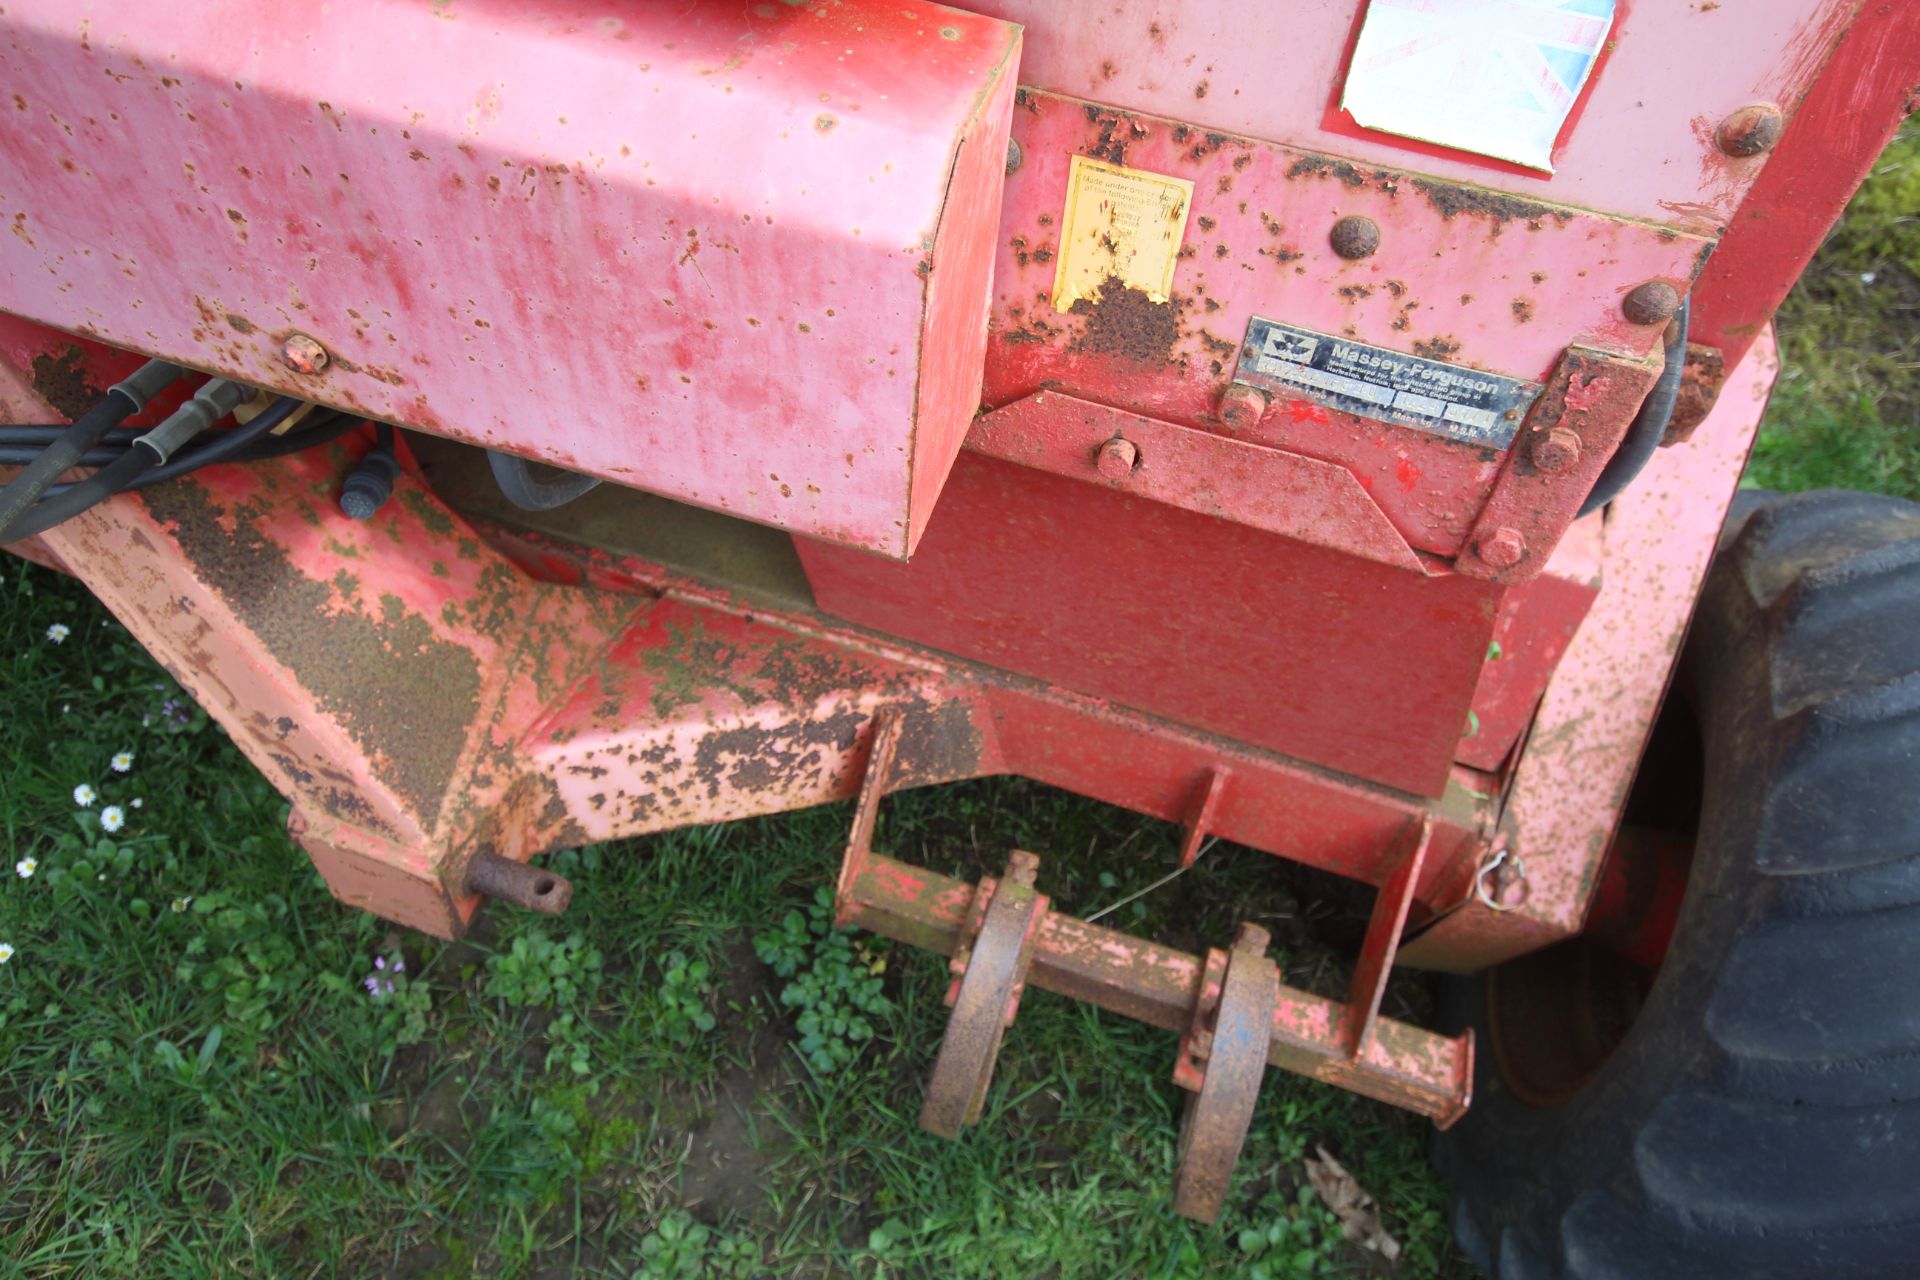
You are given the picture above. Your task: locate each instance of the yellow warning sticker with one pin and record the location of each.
(1120, 224)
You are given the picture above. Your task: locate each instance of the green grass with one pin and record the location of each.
(1846, 411)
(195, 1080)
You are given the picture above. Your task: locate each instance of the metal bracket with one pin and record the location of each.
(1201, 818)
(1384, 929)
(866, 810)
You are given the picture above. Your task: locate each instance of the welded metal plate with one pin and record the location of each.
(1391, 386)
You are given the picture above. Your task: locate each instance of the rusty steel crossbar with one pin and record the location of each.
(1419, 1070)
(1344, 1044)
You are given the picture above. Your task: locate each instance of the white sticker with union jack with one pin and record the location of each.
(1494, 77)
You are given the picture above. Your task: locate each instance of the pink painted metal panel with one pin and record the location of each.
(701, 249)
(1480, 280)
(1573, 775)
(1641, 143)
(1537, 621)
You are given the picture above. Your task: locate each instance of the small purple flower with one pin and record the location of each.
(379, 983)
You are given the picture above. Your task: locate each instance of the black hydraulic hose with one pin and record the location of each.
(126, 472)
(37, 438)
(1649, 425)
(530, 492)
(14, 455)
(326, 428)
(126, 398)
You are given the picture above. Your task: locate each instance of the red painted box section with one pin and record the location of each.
(735, 254)
(1320, 655)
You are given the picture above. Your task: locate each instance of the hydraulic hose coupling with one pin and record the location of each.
(146, 382)
(369, 484)
(210, 403)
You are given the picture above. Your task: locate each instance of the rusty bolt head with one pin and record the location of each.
(1502, 548)
(1355, 236)
(1651, 303)
(1117, 459)
(1751, 130)
(1242, 406)
(1014, 154)
(1556, 451)
(303, 354)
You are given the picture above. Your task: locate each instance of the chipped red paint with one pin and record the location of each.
(702, 220)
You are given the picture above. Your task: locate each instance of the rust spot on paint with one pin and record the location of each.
(1451, 199)
(63, 383)
(406, 697)
(1124, 321)
(1441, 348)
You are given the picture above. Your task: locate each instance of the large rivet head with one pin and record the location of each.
(303, 354)
(1355, 236)
(1651, 303)
(1502, 548)
(1750, 131)
(1241, 406)
(1117, 458)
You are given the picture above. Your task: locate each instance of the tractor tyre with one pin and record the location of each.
(1752, 1108)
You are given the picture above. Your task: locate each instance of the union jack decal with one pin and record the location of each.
(1497, 77)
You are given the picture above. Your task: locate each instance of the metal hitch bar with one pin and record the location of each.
(1233, 1013)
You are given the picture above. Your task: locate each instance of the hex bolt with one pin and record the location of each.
(303, 354)
(1241, 406)
(1502, 548)
(1117, 458)
(1014, 154)
(1556, 451)
(1355, 236)
(531, 887)
(1751, 131)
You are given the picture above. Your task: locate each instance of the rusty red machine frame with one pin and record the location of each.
(1096, 582)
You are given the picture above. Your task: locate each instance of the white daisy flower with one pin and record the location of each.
(26, 867)
(59, 632)
(6, 952)
(123, 762)
(84, 796)
(136, 802)
(181, 904)
(112, 818)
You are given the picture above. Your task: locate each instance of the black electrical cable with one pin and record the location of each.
(318, 430)
(14, 455)
(22, 492)
(323, 430)
(1649, 426)
(126, 471)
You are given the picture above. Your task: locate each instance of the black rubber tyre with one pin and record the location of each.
(1760, 1116)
